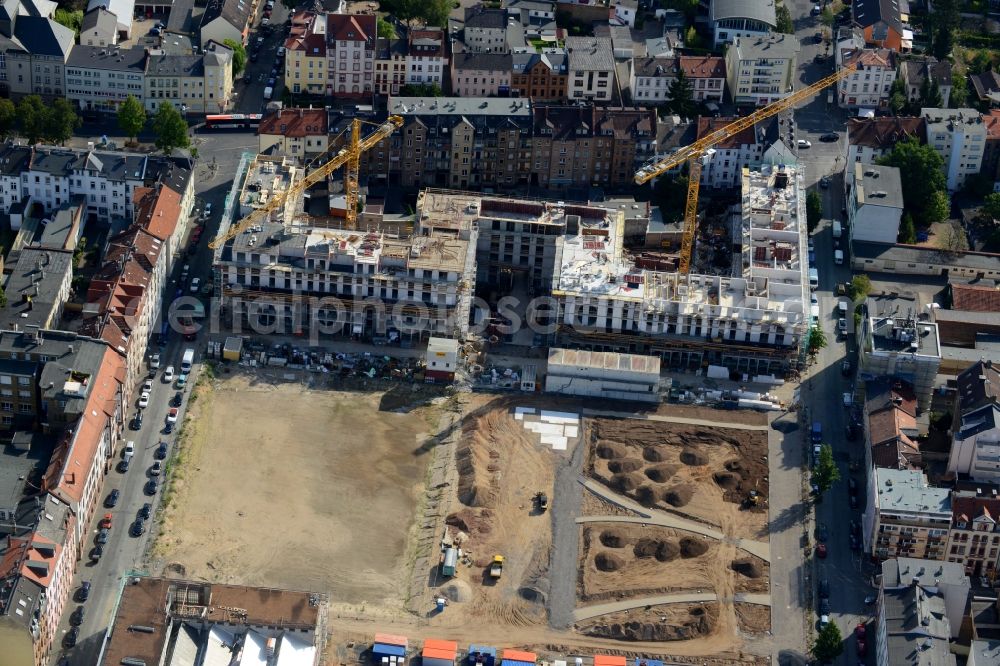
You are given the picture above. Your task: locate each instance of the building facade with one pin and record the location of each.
(975, 447)
(759, 70)
(907, 517)
(959, 136)
(99, 79)
(542, 77)
(870, 81)
(591, 69)
(351, 55)
(476, 74)
(874, 203)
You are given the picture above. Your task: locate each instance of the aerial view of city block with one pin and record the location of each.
(499, 332)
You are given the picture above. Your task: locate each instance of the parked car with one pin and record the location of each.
(195, 285)
(821, 532)
(207, 213)
(824, 606)
(156, 468)
(815, 11)
(178, 399)
(168, 374)
(860, 630)
(824, 589)
(168, 428)
(802, 143)
(84, 592)
(102, 536)
(96, 552)
(824, 182)
(112, 498)
(105, 523)
(136, 423)
(144, 400)
(207, 289)
(69, 640)
(842, 326)
(862, 647)
(154, 361)
(161, 451)
(147, 386)
(821, 551)
(137, 528)
(150, 487)
(830, 137)
(76, 619)
(172, 415)
(145, 511)
(182, 380)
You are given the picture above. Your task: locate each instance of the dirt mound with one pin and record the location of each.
(693, 458)
(663, 551)
(624, 483)
(691, 547)
(679, 495)
(679, 627)
(652, 454)
(624, 466)
(734, 465)
(613, 539)
(472, 491)
(457, 591)
(174, 569)
(747, 567)
(660, 473)
(610, 451)
(471, 521)
(726, 480)
(608, 562)
(647, 495)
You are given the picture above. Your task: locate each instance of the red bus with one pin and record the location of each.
(233, 121)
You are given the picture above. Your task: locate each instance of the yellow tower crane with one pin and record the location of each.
(348, 157)
(695, 153)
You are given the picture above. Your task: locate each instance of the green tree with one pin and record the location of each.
(385, 29)
(8, 118)
(959, 92)
(170, 129)
(239, 55)
(952, 239)
(817, 339)
(32, 116)
(61, 121)
(981, 61)
(784, 17)
(978, 185)
(692, 39)
(681, 93)
(828, 18)
(131, 117)
(404, 10)
(907, 230)
(814, 210)
(859, 288)
(825, 473)
(3, 297)
(930, 94)
(829, 644)
(991, 208)
(70, 18)
(924, 184)
(435, 12)
(944, 43)
(897, 97)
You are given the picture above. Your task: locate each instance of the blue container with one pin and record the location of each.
(482, 655)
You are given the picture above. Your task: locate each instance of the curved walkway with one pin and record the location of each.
(588, 612)
(674, 419)
(664, 519)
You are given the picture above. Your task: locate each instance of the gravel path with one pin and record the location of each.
(587, 612)
(565, 539)
(674, 419)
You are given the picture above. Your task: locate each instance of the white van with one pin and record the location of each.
(813, 278)
(187, 360)
(842, 307)
(838, 257)
(837, 229)
(268, 92)
(129, 452)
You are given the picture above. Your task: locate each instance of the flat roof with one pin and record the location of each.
(899, 324)
(580, 358)
(878, 185)
(459, 106)
(33, 287)
(903, 571)
(907, 490)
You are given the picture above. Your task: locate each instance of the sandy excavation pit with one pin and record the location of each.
(704, 473)
(621, 561)
(669, 622)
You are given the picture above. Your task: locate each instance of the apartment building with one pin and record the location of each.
(227, 19)
(485, 30)
(537, 17)
(751, 320)
(707, 75)
(890, 425)
(542, 77)
(896, 341)
(732, 19)
(916, 71)
(390, 65)
(578, 146)
(99, 28)
(975, 447)
(344, 283)
(99, 79)
(426, 57)
(194, 84)
(591, 69)
(905, 516)
(106, 180)
(301, 133)
(959, 136)
(475, 74)
(868, 139)
(37, 287)
(456, 142)
(870, 81)
(881, 22)
(350, 54)
(723, 168)
(760, 70)
(160, 211)
(34, 53)
(874, 203)
(306, 61)
(974, 539)
(651, 79)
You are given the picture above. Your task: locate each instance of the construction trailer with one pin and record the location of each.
(389, 650)
(518, 658)
(608, 660)
(449, 561)
(442, 360)
(482, 655)
(233, 348)
(607, 375)
(439, 652)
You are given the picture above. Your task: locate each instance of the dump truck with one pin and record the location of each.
(496, 567)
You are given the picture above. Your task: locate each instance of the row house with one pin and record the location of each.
(33, 50)
(390, 65)
(975, 446)
(106, 180)
(481, 74)
(868, 139)
(890, 422)
(723, 167)
(760, 70)
(543, 77)
(191, 83)
(707, 75)
(301, 133)
(870, 82)
(456, 143)
(485, 30)
(974, 539)
(420, 59)
(991, 150)
(537, 17)
(124, 297)
(99, 79)
(914, 71)
(350, 54)
(959, 136)
(986, 86)
(306, 64)
(227, 19)
(160, 211)
(651, 80)
(881, 22)
(904, 516)
(37, 287)
(591, 69)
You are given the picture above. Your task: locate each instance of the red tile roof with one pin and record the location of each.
(975, 298)
(351, 27)
(295, 123)
(967, 509)
(158, 212)
(703, 67)
(884, 132)
(992, 122)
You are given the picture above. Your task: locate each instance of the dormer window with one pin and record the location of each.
(961, 525)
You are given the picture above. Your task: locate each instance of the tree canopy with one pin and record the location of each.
(385, 29)
(829, 643)
(825, 473)
(131, 117)
(8, 118)
(37, 121)
(784, 17)
(814, 209)
(681, 94)
(432, 12)
(61, 121)
(239, 55)
(421, 90)
(924, 184)
(170, 128)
